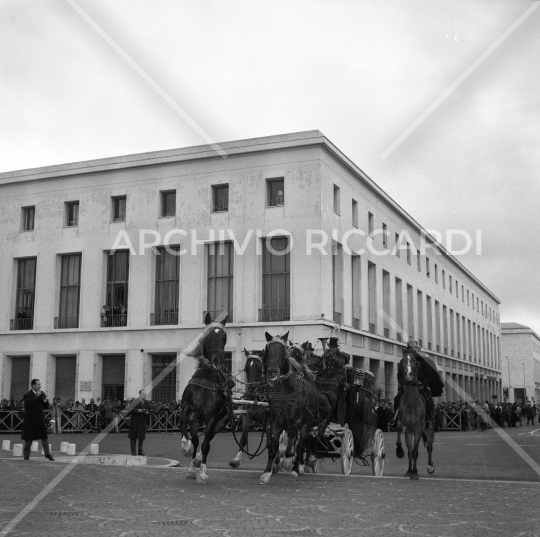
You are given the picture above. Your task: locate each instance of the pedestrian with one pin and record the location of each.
(34, 428)
(137, 430)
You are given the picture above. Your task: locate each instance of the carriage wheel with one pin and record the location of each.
(319, 466)
(347, 451)
(378, 455)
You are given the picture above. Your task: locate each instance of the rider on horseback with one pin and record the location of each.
(430, 384)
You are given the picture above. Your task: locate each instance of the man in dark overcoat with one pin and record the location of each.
(137, 430)
(35, 402)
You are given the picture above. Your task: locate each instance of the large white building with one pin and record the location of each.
(520, 350)
(61, 224)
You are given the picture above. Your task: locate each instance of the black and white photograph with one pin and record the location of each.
(270, 268)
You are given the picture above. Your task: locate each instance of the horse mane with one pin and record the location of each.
(301, 368)
(197, 351)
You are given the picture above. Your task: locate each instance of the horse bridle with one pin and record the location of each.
(259, 382)
(408, 369)
(285, 355)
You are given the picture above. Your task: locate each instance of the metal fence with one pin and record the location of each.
(81, 421)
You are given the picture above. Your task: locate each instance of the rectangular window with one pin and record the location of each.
(462, 294)
(452, 335)
(386, 302)
(355, 213)
(385, 236)
(457, 289)
(220, 280)
(473, 301)
(409, 254)
(450, 283)
(443, 280)
(70, 291)
(437, 326)
(410, 311)
(220, 198)
(119, 208)
(445, 328)
(370, 223)
(28, 214)
(336, 199)
(356, 301)
(337, 282)
(164, 369)
(398, 251)
(276, 192)
(71, 210)
(428, 271)
(167, 286)
(418, 261)
(436, 268)
(372, 297)
(26, 290)
(429, 313)
(276, 275)
(420, 303)
(168, 203)
(468, 298)
(116, 302)
(399, 310)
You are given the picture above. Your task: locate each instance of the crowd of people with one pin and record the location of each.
(467, 414)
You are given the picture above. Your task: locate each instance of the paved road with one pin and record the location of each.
(474, 494)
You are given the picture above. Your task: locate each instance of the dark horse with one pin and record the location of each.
(205, 398)
(295, 405)
(254, 378)
(412, 415)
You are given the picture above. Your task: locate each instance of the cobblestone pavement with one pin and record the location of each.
(132, 502)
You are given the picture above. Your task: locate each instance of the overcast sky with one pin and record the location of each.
(437, 101)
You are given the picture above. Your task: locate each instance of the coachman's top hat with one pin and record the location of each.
(413, 344)
(307, 346)
(333, 342)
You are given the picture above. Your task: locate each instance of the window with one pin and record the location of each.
(450, 283)
(409, 254)
(436, 273)
(276, 192)
(168, 203)
(370, 223)
(386, 303)
(443, 279)
(398, 251)
(119, 208)
(71, 209)
(26, 289)
(399, 309)
(356, 297)
(220, 198)
(336, 199)
(418, 262)
(468, 298)
(372, 297)
(355, 213)
(28, 214)
(167, 286)
(428, 271)
(70, 291)
(457, 288)
(164, 377)
(337, 282)
(116, 300)
(385, 236)
(276, 280)
(220, 279)
(462, 294)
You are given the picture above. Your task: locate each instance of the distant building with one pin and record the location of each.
(90, 322)
(520, 350)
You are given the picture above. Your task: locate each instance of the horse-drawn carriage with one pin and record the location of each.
(355, 436)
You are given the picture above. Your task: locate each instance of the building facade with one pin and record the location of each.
(520, 351)
(109, 266)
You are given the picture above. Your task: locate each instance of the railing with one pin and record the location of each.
(66, 322)
(214, 314)
(109, 321)
(274, 314)
(22, 324)
(164, 318)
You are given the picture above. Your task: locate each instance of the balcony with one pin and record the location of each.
(22, 324)
(214, 314)
(66, 322)
(170, 317)
(111, 321)
(270, 315)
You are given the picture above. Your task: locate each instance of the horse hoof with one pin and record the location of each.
(294, 475)
(196, 463)
(265, 478)
(408, 474)
(301, 470)
(287, 464)
(400, 453)
(234, 464)
(414, 476)
(191, 475)
(430, 469)
(202, 479)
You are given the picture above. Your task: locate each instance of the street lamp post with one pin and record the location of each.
(524, 389)
(508, 362)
